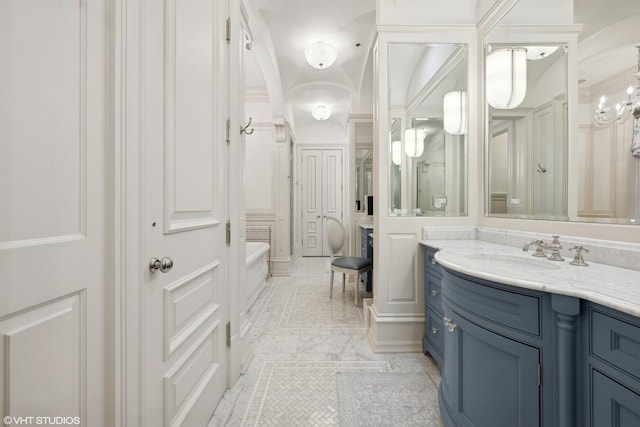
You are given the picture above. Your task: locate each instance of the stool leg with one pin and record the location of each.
(344, 281)
(331, 285)
(357, 288)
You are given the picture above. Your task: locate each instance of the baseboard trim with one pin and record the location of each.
(395, 334)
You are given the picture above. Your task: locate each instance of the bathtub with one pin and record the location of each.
(257, 269)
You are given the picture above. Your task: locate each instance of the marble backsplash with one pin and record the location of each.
(619, 254)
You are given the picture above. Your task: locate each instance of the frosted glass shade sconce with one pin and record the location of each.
(396, 152)
(414, 141)
(320, 55)
(455, 112)
(506, 77)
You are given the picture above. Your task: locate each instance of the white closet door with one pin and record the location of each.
(184, 210)
(53, 207)
(322, 194)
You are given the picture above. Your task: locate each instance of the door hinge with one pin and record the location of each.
(228, 334)
(539, 374)
(228, 30)
(228, 233)
(228, 131)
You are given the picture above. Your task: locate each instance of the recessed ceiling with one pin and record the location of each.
(293, 25)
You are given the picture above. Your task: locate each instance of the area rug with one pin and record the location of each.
(387, 399)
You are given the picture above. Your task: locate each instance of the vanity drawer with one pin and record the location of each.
(434, 332)
(433, 291)
(513, 310)
(430, 264)
(616, 341)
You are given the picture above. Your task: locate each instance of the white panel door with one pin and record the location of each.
(322, 188)
(52, 212)
(184, 206)
(543, 159)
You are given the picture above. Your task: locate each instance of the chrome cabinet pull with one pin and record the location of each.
(433, 261)
(434, 292)
(164, 264)
(434, 330)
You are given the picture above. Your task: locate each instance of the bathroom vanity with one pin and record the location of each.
(524, 341)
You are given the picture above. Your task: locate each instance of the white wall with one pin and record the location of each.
(259, 159)
(321, 132)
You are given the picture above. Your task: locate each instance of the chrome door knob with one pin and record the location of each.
(163, 264)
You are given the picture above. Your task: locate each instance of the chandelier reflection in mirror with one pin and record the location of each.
(624, 109)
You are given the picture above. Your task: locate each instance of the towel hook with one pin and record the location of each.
(541, 169)
(244, 129)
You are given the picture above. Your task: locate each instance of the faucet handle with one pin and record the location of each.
(555, 249)
(556, 241)
(578, 259)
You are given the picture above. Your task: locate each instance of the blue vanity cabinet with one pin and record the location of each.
(611, 367)
(498, 344)
(433, 338)
(489, 379)
(366, 250)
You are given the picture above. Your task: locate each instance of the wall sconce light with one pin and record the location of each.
(506, 77)
(320, 55)
(414, 141)
(321, 112)
(455, 112)
(396, 152)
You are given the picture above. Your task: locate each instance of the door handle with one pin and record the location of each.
(164, 264)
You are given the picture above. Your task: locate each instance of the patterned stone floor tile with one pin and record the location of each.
(301, 340)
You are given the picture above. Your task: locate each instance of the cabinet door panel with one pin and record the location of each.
(613, 405)
(489, 380)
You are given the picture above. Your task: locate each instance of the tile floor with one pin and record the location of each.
(301, 340)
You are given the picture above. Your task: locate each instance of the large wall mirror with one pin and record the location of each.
(527, 130)
(364, 174)
(534, 170)
(427, 129)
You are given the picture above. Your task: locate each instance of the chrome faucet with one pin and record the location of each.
(540, 245)
(555, 249)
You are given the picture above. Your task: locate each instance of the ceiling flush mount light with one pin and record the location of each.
(396, 152)
(506, 77)
(540, 52)
(321, 112)
(624, 109)
(414, 141)
(320, 55)
(455, 112)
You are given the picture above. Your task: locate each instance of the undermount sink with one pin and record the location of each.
(492, 261)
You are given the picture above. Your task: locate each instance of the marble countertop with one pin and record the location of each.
(614, 287)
